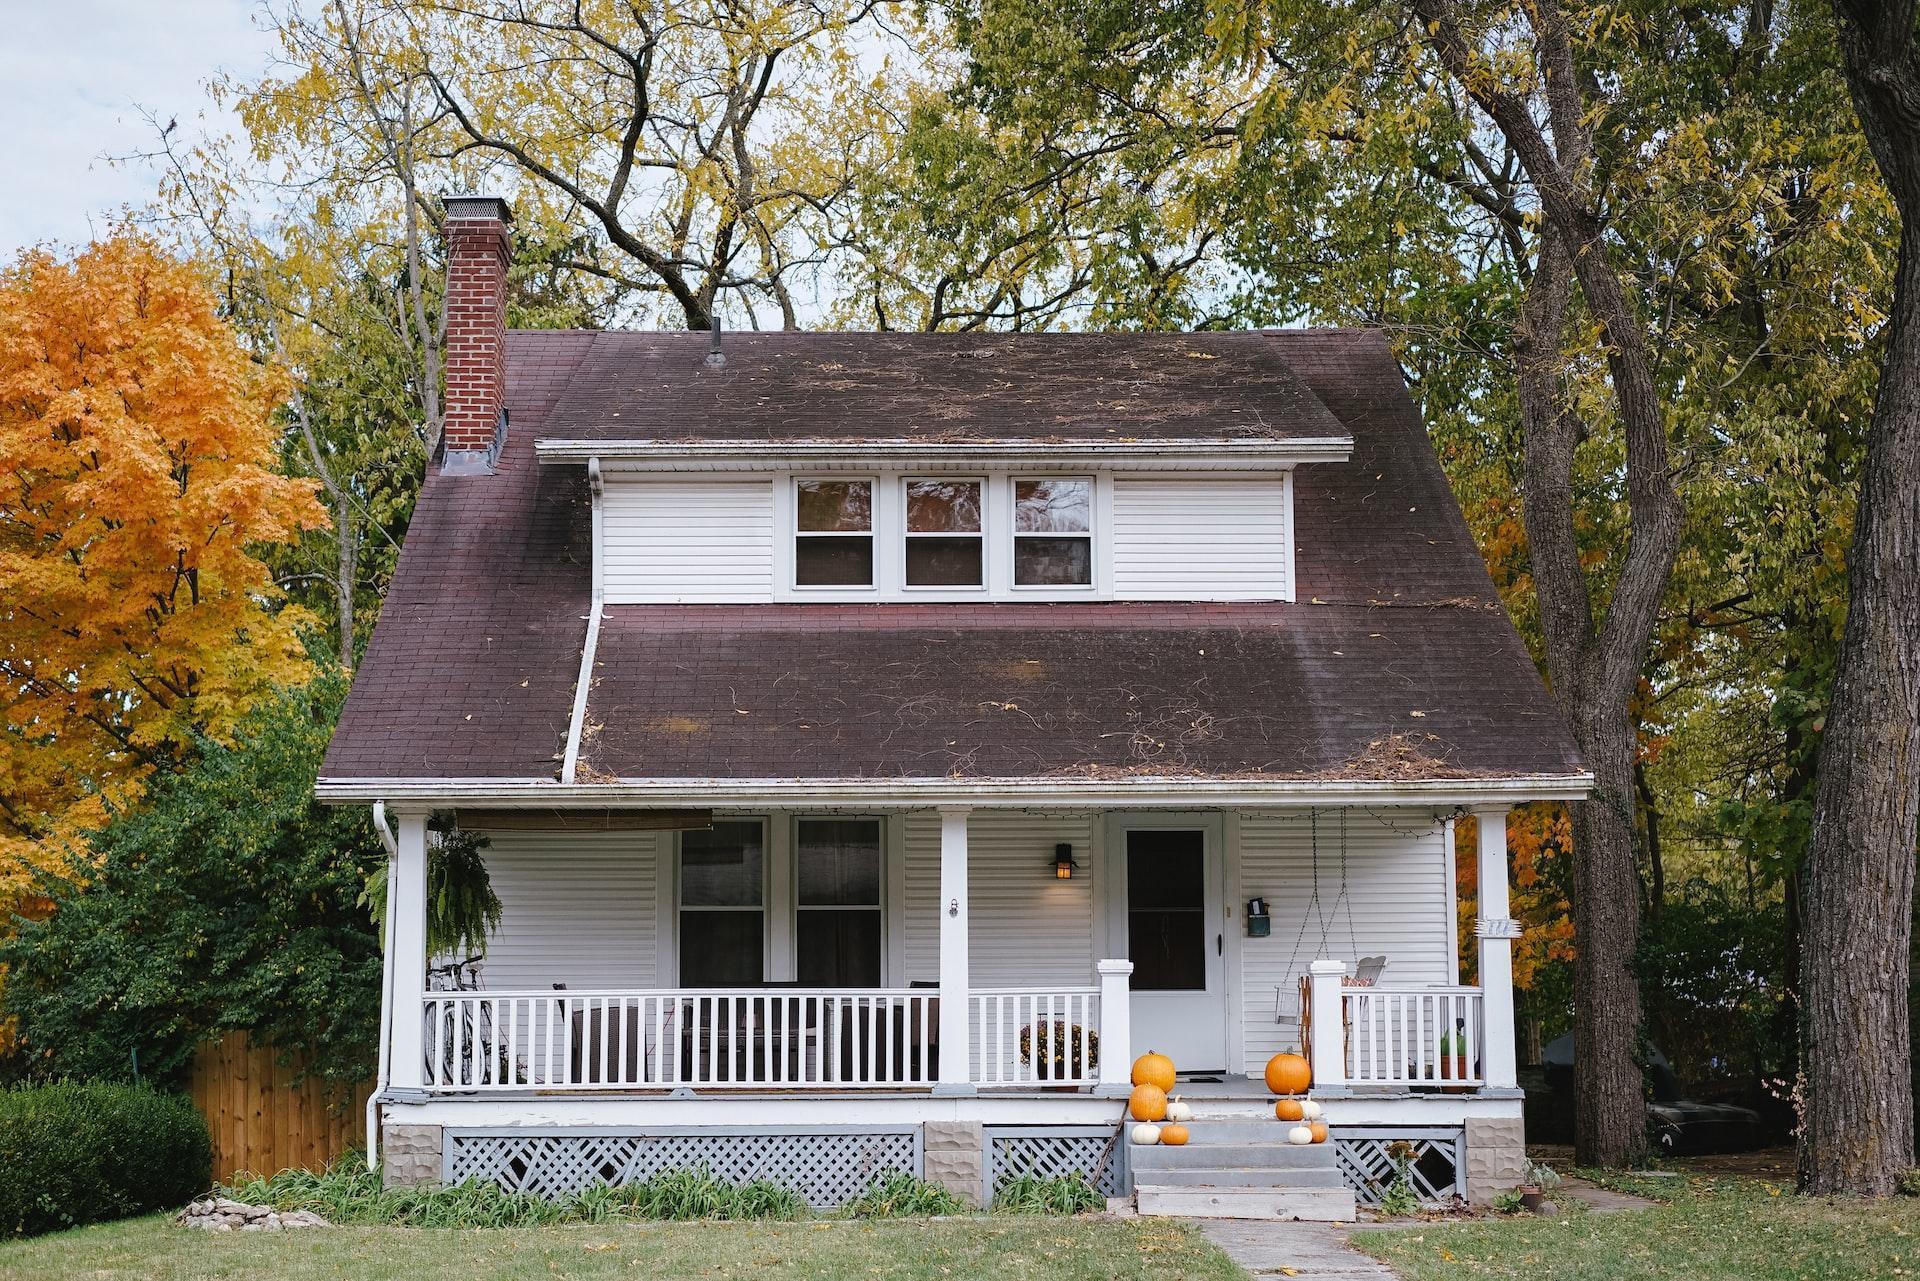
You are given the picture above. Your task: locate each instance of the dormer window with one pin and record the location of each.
(1053, 532)
(833, 538)
(944, 534)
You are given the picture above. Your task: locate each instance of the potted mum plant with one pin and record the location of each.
(1055, 1047)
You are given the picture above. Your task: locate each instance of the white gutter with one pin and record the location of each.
(383, 1072)
(584, 683)
(1218, 454)
(918, 793)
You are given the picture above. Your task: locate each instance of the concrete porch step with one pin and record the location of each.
(1241, 1176)
(1265, 1156)
(1318, 1205)
(1207, 1131)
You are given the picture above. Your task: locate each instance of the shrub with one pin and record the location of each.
(73, 1154)
(900, 1195)
(349, 1193)
(1061, 1194)
(1909, 1184)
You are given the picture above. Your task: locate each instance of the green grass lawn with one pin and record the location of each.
(1729, 1229)
(1059, 1249)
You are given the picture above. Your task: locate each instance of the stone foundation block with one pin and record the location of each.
(410, 1155)
(956, 1158)
(1496, 1156)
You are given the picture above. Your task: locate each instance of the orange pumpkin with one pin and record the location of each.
(1147, 1103)
(1173, 1135)
(1288, 1074)
(1289, 1110)
(1319, 1131)
(1155, 1069)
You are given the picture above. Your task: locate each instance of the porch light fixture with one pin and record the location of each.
(1063, 863)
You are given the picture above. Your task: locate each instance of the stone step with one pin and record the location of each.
(1319, 1205)
(1242, 1176)
(1266, 1156)
(1209, 1130)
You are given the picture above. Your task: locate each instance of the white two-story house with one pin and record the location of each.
(882, 738)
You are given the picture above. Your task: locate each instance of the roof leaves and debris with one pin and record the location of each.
(1397, 663)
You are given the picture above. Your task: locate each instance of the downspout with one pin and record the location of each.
(577, 724)
(382, 1072)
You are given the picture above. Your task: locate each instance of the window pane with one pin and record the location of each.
(721, 949)
(839, 861)
(830, 506)
(1052, 506)
(721, 867)
(833, 562)
(943, 562)
(838, 948)
(1166, 911)
(1053, 562)
(943, 506)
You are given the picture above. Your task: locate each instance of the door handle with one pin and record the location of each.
(1220, 945)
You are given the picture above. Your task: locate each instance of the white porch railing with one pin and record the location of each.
(749, 1038)
(1413, 1036)
(1035, 1036)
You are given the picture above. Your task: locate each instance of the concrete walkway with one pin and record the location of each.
(1306, 1251)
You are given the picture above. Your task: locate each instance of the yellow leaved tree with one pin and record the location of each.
(137, 443)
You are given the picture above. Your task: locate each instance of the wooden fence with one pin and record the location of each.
(261, 1120)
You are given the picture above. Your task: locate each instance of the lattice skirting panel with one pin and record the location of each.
(826, 1168)
(1092, 1152)
(1439, 1162)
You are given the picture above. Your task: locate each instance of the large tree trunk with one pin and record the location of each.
(1857, 1133)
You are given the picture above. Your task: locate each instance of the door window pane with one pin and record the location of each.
(721, 867)
(1053, 562)
(834, 506)
(839, 862)
(1167, 927)
(1052, 506)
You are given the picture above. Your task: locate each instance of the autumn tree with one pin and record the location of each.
(137, 446)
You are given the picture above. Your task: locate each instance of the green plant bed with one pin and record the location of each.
(902, 1196)
(348, 1192)
(1061, 1194)
(79, 1153)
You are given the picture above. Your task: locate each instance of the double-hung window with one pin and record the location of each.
(833, 533)
(723, 905)
(837, 912)
(944, 538)
(1052, 532)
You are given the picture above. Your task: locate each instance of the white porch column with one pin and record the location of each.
(407, 909)
(1327, 1042)
(1116, 1027)
(956, 1049)
(1496, 930)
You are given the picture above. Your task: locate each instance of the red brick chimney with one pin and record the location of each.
(479, 248)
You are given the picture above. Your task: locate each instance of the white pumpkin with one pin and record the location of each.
(1310, 1110)
(1301, 1134)
(1147, 1134)
(1179, 1113)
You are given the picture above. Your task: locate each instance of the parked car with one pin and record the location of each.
(1677, 1125)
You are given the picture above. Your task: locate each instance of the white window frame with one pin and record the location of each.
(1094, 526)
(881, 905)
(768, 966)
(985, 535)
(876, 486)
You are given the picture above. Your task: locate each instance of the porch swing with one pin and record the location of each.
(1288, 998)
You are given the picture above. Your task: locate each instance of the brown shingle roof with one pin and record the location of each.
(1397, 661)
(973, 387)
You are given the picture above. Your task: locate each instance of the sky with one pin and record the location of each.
(73, 76)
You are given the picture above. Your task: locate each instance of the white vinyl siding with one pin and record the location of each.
(1397, 905)
(575, 908)
(1029, 927)
(1210, 539)
(685, 541)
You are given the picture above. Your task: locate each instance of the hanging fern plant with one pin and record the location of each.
(462, 908)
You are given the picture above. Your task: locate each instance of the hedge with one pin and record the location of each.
(81, 1153)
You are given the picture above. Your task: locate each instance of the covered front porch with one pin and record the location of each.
(957, 952)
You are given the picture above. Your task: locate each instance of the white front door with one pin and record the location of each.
(1173, 920)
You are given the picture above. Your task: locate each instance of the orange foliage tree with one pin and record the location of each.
(1539, 844)
(136, 449)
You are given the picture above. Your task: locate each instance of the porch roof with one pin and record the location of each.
(1396, 664)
